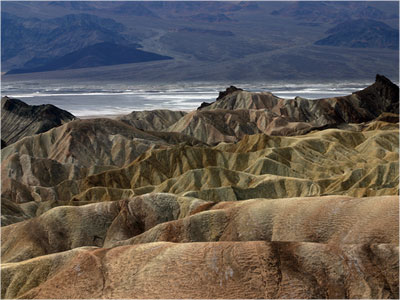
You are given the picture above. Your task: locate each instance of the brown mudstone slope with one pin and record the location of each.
(317, 247)
(254, 269)
(167, 217)
(155, 120)
(252, 196)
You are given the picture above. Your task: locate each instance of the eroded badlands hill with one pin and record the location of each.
(167, 217)
(250, 197)
(253, 269)
(237, 113)
(155, 120)
(328, 162)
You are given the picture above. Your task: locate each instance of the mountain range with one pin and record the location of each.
(101, 54)
(362, 33)
(207, 40)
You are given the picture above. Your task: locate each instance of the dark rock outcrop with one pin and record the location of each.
(203, 104)
(19, 119)
(228, 91)
(382, 96)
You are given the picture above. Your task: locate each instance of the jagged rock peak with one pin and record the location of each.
(228, 91)
(387, 88)
(384, 80)
(21, 108)
(382, 96)
(203, 104)
(20, 119)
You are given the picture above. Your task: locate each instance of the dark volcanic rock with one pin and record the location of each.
(19, 119)
(204, 104)
(228, 91)
(382, 96)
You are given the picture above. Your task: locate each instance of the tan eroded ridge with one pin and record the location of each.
(328, 162)
(253, 269)
(166, 217)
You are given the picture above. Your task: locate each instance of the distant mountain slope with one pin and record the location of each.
(135, 8)
(75, 5)
(204, 17)
(171, 9)
(362, 33)
(207, 31)
(120, 7)
(213, 40)
(102, 54)
(38, 41)
(19, 119)
(330, 11)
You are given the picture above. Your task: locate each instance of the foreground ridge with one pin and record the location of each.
(228, 269)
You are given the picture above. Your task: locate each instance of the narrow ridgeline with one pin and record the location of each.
(251, 196)
(19, 119)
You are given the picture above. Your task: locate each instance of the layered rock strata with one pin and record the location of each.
(327, 162)
(252, 196)
(237, 113)
(155, 120)
(255, 269)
